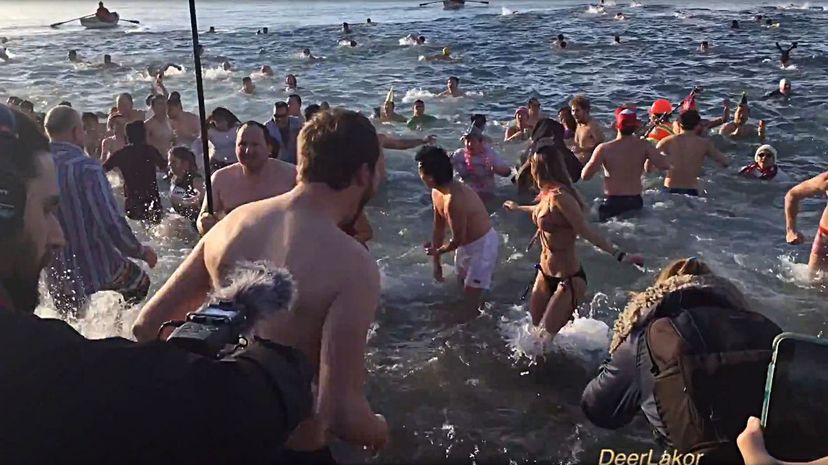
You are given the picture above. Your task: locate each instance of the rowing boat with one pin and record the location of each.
(92, 22)
(453, 4)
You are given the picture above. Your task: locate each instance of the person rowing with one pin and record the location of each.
(103, 14)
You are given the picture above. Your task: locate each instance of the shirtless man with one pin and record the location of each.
(186, 126)
(388, 115)
(588, 133)
(159, 131)
(300, 231)
(254, 177)
(686, 153)
(247, 86)
(126, 108)
(108, 64)
(817, 185)
(739, 128)
(93, 137)
(459, 207)
(452, 88)
(623, 160)
(116, 125)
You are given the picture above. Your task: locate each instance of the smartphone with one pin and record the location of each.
(795, 411)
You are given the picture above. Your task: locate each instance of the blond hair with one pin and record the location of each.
(684, 266)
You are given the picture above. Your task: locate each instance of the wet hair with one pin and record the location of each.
(325, 106)
(689, 120)
(421, 39)
(136, 133)
(563, 44)
(295, 97)
(734, 24)
(419, 102)
(581, 102)
(435, 162)
(568, 120)
(186, 155)
(60, 120)
(455, 79)
(125, 95)
(705, 44)
(334, 146)
(551, 167)
(352, 43)
(560, 37)
(66, 104)
(684, 266)
(279, 105)
(769, 21)
(13, 101)
(617, 38)
(311, 110)
(87, 116)
(107, 57)
(223, 114)
(393, 105)
(478, 120)
(264, 30)
(247, 79)
(20, 153)
(27, 105)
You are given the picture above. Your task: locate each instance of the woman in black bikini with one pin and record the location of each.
(561, 282)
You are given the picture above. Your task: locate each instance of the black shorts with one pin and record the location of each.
(312, 457)
(677, 190)
(615, 205)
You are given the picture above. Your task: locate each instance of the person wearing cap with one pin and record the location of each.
(445, 55)
(764, 165)
(623, 161)
(474, 242)
(476, 163)
(783, 92)
(816, 186)
(520, 130)
(739, 128)
(388, 115)
(452, 88)
(686, 152)
(588, 133)
(660, 119)
(420, 118)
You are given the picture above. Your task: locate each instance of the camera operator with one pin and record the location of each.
(66, 399)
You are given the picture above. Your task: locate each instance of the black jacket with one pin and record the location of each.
(65, 399)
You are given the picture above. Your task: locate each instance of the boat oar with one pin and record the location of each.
(477, 1)
(131, 21)
(75, 19)
(431, 3)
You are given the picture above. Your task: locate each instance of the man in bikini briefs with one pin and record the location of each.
(810, 188)
(458, 206)
(623, 160)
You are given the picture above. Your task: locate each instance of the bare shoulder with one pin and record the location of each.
(281, 166)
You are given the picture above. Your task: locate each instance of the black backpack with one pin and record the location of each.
(710, 363)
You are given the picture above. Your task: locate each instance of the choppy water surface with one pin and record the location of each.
(463, 393)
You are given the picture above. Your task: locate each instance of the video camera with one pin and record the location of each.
(255, 291)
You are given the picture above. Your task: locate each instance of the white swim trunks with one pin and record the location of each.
(476, 262)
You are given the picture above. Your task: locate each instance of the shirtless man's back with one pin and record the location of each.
(623, 160)
(333, 311)
(686, 153)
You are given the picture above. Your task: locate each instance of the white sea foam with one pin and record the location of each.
(417, 93)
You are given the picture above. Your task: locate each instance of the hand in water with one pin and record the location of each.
(149, 256)
(794, 237)
(430, 139)
(510, 205)
(633, 259)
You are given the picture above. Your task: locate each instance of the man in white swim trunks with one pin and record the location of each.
(458, 206)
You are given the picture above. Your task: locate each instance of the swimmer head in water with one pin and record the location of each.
(306, 52)
(784, 87)
(479, 121)
(266, 70)
(421, 40)
(107, 59)
(704, 47)
(346, 28)
(617, 39)
(352, 43)
(291, 81)
(765, 157)
(446, 52)
(212, 30)
(734, 24)
(73, 55)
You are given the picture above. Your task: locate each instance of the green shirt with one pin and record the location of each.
(419, 121)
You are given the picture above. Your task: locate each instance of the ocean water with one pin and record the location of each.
(487, 390)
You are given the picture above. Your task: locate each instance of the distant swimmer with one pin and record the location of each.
(4, 55)
(764, 165)
(413, 39)
(348, 43)
(616, 40)
(535, 113)
(623, 161)
(212, 30)
(520, 130)
(263, 31)
(306, 54)
(73, 57)
(108, 64)
(291, 82)
(154, 70)
(247, 86)
(452, 88)
(816, 186)
(346, 28)
(620, 17)
(783, 92)
(369, 21)
(227, 66)
(770, 23)
(785, 57)
(126, 108)
(420, 119)
(445, 55)
(560, 41)
(704, 47)
(456, 206)
(758, 18)
(266, 70)
(739, 128)
(686, 153)
(588, 134)
(734, 24)
(255, 177)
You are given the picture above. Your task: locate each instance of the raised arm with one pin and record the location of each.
(814, 186)
(594, 164)
(185, 291)
(341, 400)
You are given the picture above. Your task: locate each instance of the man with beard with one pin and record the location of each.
(95, 400)
(588, 134)
(339, 165)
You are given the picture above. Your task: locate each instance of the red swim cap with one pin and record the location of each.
(625, 117)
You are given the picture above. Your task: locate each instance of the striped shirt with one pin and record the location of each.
(98, 238)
